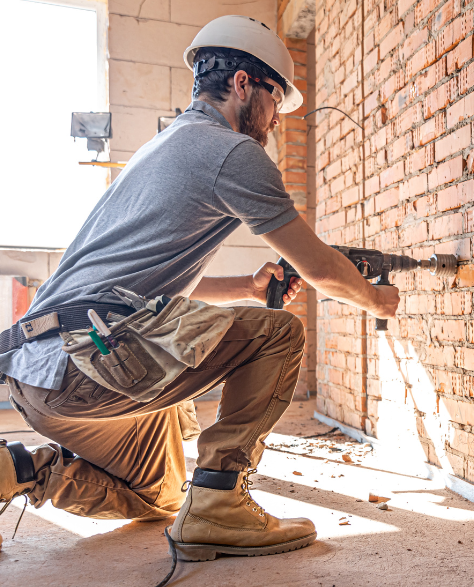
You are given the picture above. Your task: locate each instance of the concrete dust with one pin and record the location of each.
(427, 533)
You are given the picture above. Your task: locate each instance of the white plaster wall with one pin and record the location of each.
(148, 79)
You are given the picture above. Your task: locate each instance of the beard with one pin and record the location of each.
(252, 121)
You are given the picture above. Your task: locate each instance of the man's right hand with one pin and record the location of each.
(387, 301)
(329, 271)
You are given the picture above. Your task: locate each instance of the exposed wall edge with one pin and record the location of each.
(459, 486)
(352, 432)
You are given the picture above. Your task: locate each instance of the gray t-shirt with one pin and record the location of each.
(159, 225)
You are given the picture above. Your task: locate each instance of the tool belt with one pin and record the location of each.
(153, 349)
(54, 320)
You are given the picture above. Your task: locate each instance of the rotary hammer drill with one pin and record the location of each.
(371, 264)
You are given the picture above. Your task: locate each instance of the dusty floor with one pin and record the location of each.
(426, 535)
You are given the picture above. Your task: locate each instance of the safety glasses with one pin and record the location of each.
(277, 95)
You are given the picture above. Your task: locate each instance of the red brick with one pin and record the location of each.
(404, 5)
(461, 247)
(448, 330)
(423, 9)
(448, 11)
(422, 58)
(454, 304)
(461, 110)
(413, 42)
(469, 220)
(391, 40)
(441, 356)
(460, 55)
(451, 35)
(447, 225)
(394, 83)
(440, 98)
(371, 103)
(337, 220)
(387, 199)
(399, 102)
(372, 226)
(455, 196)
(337, 185)
(466, 78)
(414, 234)
(350, 196)
(420, 304)
(446, 172)
(322, 161)
(459, 411)
(425, 206)
(465, 278)
(371, 60)
(414, 187)
(456, 141)
(420, 159)
(410, 117)
(464, 358)
(372, 185)
(429, 131)
(392, 175)
(400, 147)
(333, 170)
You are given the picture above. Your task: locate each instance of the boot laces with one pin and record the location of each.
(21, 515)
(246, 487)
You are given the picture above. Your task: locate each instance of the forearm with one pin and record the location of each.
(324, 268)
(335, 276)
(224, 290)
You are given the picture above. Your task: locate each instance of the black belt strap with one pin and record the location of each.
(71, 317)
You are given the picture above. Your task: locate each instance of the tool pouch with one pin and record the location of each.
(153, 349)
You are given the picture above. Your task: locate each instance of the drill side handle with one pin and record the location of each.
(380, 323)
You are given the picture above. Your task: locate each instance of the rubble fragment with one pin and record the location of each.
(382, 506)
(347, 458)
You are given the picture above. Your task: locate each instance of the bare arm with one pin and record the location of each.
(226, 290)
(329, 271)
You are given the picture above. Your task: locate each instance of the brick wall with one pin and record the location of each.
(405, 71)
(292, 162)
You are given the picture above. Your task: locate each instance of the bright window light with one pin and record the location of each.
(49, 70)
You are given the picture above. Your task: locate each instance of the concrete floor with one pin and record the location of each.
(426, 535)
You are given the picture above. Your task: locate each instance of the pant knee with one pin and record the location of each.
(297, 328)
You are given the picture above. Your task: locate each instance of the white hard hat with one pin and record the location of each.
(253, 37)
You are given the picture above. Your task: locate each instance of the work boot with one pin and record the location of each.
(220, 516)
(17, 474)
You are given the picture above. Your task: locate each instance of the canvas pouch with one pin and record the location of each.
(153, 349)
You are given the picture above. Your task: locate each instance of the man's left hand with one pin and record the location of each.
(261, 279)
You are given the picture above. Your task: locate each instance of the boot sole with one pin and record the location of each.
(195, 552)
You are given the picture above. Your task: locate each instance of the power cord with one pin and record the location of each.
(332, 108)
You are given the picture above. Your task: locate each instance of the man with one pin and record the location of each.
(154, 232)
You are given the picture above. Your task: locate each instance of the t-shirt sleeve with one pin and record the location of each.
(249, 186)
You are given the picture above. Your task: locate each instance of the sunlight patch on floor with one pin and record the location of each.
(326, 520)
(83, 527)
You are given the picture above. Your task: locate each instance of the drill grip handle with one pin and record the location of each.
(277, 289)
(381, 324)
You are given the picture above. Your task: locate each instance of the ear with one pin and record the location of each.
(241, 84)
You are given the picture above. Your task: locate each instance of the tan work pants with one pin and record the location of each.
(130, 461)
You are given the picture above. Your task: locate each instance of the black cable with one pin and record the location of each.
(332, 108)
(322, 434)
(174, 556)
